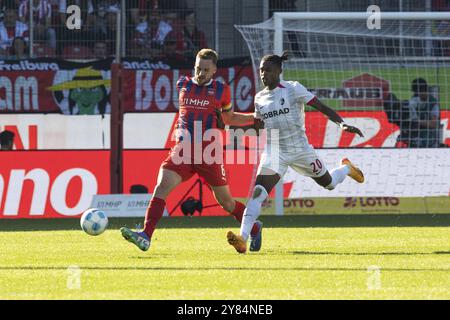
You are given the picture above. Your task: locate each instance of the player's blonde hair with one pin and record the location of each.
(208, 54)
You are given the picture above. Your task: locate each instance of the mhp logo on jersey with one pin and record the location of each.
(195, 102)
(274, 113)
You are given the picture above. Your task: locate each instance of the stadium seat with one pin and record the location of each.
(41, 50)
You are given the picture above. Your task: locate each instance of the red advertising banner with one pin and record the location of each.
(378, 131)
(51, 184)
(60, 184)
(60, 86)
(151, 87)
(322, 133)
(55, 86)
(58, 132)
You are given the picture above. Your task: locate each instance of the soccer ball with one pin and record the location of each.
(93, 221)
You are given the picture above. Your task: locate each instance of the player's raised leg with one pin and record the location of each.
(337, 175)
(354, 172)
(167, 181)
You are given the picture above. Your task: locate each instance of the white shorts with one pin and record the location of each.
(307, 163)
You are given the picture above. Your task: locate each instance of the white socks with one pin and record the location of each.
(338, 175)
(252, 210)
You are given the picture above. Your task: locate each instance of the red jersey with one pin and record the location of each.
(198, 103)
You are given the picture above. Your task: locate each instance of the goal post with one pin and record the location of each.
(280, 17)
(367, 75)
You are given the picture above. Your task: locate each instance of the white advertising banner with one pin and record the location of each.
(388, 173)
(90, 132)
(123, 205)
(57, 132)
(152, 130)
(147, 131)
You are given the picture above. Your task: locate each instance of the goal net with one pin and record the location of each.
(389, 77)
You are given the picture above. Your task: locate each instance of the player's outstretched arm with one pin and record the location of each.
(333, 116)
(237, 119)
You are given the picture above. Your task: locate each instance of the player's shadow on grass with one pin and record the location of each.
(325, 253)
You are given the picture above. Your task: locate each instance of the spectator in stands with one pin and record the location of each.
(165, 26)
(424, 108)
(78, 38)
(19, 49)
(110, 36)
(10, 28)
(191, 39)
(42, 19)
(132, 9)
(146, 41)
(6, 140)
(105, 26)
(106, 5)
(168, 20)
(169, 48)
(100, 50)
(3, 47)
(13, 4)
(398, 113)
(101, 10)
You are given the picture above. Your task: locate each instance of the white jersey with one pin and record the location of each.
(283, 108)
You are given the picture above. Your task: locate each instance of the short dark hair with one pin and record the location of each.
(208, 54)
(419, 85)
(6, 137)
(278, 60)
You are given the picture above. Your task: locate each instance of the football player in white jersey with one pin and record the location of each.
(280, 105)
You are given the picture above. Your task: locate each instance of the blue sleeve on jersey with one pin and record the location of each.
(189, 85)
(219, 90)
(180, 82)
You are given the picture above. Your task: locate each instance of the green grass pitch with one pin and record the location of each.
(307, 257)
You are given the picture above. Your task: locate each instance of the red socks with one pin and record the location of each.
(154, 213)
(238, 213)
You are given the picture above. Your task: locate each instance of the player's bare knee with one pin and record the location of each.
(162, 190)
(227, 204)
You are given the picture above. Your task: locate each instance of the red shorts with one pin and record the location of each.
(214, 174)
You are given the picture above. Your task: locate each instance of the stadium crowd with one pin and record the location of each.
(154, 28)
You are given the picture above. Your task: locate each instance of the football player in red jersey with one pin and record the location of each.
(200, 98)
